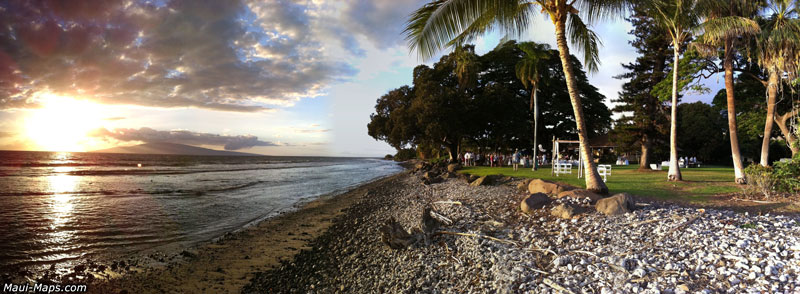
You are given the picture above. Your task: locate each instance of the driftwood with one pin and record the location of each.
(476, 236)
(688, 222)
(394, 235)
(448, 202)
(556, 286)
(441, 218)
(756, 201)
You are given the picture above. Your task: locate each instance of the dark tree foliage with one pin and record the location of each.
(703, 133)
(644, 124)
(511, 118)
(393, 120)
(751, 110)
(492, 113)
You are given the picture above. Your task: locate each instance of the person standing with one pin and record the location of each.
(515, 159)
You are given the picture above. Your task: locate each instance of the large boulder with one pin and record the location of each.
(453, 167)
(534, 201)
(484, 180)
(430, 174)
(550, 188)
(522, 186)
(565, 210)
(615, 205)
(580, 194)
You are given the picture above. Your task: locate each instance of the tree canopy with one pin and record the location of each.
(492, 115)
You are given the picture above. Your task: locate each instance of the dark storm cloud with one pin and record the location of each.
(149, 135)
(222, 55)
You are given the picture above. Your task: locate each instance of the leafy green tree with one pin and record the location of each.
(446, 23)
(678, 18)
(727, 26)
(393, 120)
(494, 114)
(643, 121)
(703, 131)
(528, 72)
(778, 48)
(555, 109)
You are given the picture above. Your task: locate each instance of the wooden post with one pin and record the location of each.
(580, 162)
(554, 149)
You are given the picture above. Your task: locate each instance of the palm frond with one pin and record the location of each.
(528, 69)
(717, 30)
(779, 42)
(437, 24)
(596, 10)
(585, 40)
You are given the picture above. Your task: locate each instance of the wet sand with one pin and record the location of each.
(229, 263)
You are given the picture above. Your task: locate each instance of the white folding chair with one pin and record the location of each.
(604, 170)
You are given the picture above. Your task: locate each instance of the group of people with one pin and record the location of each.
(496, 159)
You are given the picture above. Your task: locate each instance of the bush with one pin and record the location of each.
(760, 180)
(788, 175)
(439, 159)
(405, 154)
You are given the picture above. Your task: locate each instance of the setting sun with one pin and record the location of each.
(62, 124)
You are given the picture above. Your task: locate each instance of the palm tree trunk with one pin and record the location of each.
(790, 138)
(535, 128)
(644, 161)
(593, 181)
(772, 93)
(674, 173)
(735, 154)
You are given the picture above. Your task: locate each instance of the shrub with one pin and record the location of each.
(440, 159)
(760, 180)
(405, 154)
(788, 175)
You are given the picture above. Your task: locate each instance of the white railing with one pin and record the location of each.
(562, 168)
(604, 170)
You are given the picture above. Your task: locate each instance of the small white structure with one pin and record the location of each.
(604, 170)
(655, 166)
(562, 168)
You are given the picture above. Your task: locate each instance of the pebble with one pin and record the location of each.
(592, 251)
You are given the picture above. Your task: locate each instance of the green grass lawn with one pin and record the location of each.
(697, 185)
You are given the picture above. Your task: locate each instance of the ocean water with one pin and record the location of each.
(59, 208)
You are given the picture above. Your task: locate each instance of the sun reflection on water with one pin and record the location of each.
(62, 186)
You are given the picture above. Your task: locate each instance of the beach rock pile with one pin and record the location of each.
(492, 246)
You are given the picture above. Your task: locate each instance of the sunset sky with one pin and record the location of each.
(268, 77)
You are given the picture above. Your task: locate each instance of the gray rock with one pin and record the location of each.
(565, 211)
(534, 201)
(550, 188)
(615, 205)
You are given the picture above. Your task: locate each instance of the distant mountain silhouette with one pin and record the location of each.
(172, 148)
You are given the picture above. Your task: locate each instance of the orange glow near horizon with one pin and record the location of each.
(62, 124)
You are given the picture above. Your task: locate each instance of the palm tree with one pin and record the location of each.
(466, 66)
(778, 53)
(726, 22)
(443, 23)
(528, 71)
(679, 19)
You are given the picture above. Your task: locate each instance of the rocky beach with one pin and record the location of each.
(479, 240)
(431, 230)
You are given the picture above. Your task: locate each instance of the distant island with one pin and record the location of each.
(172, 148)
